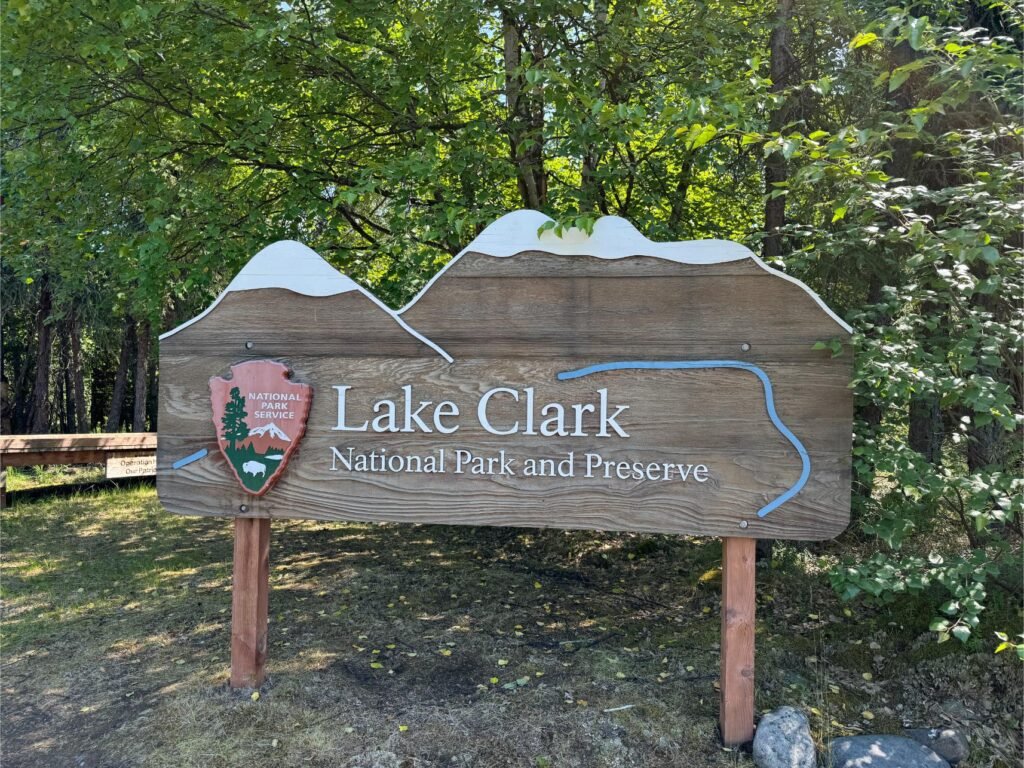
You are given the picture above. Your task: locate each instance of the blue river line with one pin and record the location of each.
(769, 399)
(189, 459)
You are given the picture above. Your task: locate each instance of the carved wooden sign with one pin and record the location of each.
(601, 381)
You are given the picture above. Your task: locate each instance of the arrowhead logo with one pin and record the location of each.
(260, 417)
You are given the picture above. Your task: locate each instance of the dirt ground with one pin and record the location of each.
(443, 646)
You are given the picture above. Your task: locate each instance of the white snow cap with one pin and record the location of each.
(292, 265)
(612, 238)
(274, 430)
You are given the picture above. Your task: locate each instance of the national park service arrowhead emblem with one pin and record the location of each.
(260, 417)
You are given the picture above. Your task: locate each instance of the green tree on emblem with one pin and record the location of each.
(235, 428)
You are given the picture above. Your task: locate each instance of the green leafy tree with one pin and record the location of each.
(233, 421)
(919, 196)
(880, 147)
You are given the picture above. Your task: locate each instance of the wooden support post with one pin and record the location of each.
(249, 602)
(736, 713)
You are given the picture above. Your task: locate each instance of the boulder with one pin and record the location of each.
(783, 740)
(883, 752)
(947, 743)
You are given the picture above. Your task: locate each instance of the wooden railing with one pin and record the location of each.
(38, 450)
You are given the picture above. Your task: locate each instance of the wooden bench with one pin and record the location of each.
(39, 450)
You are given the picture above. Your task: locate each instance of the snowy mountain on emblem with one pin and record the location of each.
(270, 430)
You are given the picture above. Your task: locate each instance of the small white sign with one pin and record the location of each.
(130, 466)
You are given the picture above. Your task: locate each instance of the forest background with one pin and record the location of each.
(874, 152)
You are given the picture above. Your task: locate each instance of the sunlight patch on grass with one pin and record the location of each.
(145, 644)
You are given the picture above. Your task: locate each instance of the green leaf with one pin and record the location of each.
(839, 213)
(915, 28)
(699, 135)
(989, 254)
(897, 78)
(900, 74)
(861, 39)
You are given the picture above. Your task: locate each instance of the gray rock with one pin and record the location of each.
(783, 740)
(947, 743)
(883, 752)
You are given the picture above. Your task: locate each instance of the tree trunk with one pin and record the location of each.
(154, 391)
(100, 388)
(775, 167)
(525, 121)
(925, 433)
(675, 218)
(40, 422)
(5, 408)
(19, 396)
(78, 374)
(986, 446)
(65, 397)
(592, 195)
(141, 377)
(591, 190)
(925, 418)
(121, 378)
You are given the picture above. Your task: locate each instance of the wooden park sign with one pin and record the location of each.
(596, 382)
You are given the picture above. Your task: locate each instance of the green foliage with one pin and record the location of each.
(233, 421)
(922, 199)
(1006, 643)
(153, 148)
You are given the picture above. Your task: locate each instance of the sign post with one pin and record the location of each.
(597, 381)
(736, 711)
(249, 603)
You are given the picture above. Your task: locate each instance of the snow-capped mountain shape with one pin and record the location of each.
(612, 238)
(291, 265)
(275, 432)
(295, 267)
(285, 264)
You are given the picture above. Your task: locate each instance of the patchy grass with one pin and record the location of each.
(445, 646)
(31, 478)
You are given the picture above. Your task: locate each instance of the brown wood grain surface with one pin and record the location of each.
(11, 444)
(249, 602)
(518, 322)
(736, 711)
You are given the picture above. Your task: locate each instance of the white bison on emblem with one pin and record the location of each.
(254, 468)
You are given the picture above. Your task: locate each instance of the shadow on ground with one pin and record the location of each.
(445, 646)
